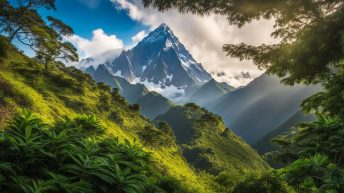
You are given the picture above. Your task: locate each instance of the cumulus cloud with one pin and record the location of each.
(205, 36)
(138, 37)
(97, 45)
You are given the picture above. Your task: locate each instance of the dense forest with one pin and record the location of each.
(60, 131)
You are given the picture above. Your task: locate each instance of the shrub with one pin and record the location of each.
(104, 102)
(135, 107)
(104, 87)
(171, 185)
(62, 80)
(37, 158)
(117, 117)
(6, 90)
(85, 124)
(198, 157)
(259, 183)
(4, 46)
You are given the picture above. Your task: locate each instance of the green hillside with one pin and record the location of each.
(207, 144)
(66, 92)
(154, 104)
(264, 145)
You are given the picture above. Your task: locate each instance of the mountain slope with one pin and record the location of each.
(209, 92)
(264, 145)
(207, 144)
(67, 92)
(154, 104)
(265, 102)
(132, 92)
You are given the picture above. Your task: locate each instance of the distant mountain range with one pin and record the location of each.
(264, 145)
(152, 103)
(159, 72)
(260, 107)
(209, 92)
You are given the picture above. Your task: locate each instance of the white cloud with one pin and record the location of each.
(138, 37)
(97, 45)
(205, 36)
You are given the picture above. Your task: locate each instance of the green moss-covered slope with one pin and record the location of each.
(207, 144)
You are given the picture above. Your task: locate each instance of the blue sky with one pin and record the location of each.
(84, 16)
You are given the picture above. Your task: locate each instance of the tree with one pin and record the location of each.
(314, 174)
(311, 34)
(49, 50)
(166, 128)
(23, 19)
(27, 26)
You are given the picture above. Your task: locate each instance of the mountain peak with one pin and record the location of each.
(162, 33)
(161, 62)
(163, 26)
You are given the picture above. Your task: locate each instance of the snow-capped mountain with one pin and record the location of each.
(160, 61)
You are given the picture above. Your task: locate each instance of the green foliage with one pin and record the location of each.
(321, 136)
(314, 174)
(4, 46)
(166, 128)
(135, 107)
(117, 96)
(155, 137)
(84, 124)
(35, 157)
(331, 100)
(117, 117)
(172, 185)
(267, 182)
(7, 91)
(24, 23)
(315, 154)
(199, 157)
(53, 102)
(207, 144)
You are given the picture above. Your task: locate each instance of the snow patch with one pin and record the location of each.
(168, 45)
(118, 73)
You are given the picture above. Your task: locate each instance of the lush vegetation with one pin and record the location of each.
(71, 156)
(60, 98)
(65, 93)
(57, 150)
(207, 144)
(311, 52)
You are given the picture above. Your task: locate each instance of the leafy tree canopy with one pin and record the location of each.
(23, 22)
